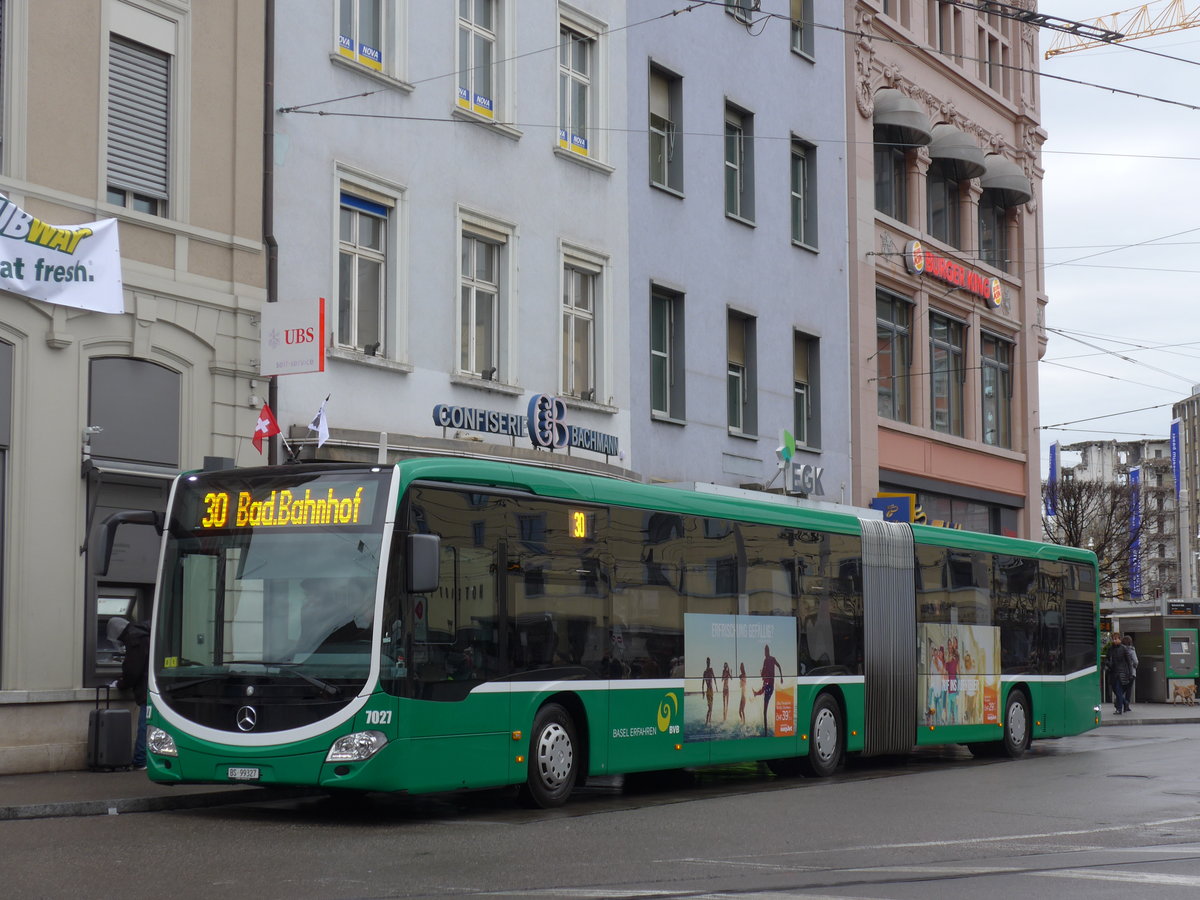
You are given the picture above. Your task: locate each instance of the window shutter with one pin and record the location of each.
(660, 97)
(736, 348)
(801, 359)
(138, 118)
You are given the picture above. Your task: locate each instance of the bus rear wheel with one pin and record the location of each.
(553, 759)
(1017, 733)
(825, 739)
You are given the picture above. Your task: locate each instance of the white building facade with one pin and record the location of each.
(454, 183)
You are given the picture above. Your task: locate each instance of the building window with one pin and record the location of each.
(740, 373)
(576, 91)
(945, 28)
(946, 373)
(893, 354)
(943, 200)
(139, 126)
(666, 353)
(362, 33)
(741, 9)
(993, 230)
(805, 389)
(803, 27)
(478, 28)
(994, 52)
(582, 327)
(896, 10)
(666, 139)
(996, 374)
(480, 310)
(362, 274)
(804, 182)
(739, 164)
(891, 182)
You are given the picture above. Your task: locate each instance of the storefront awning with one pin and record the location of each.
(902, 118)
(956, 149)
(1006, 178)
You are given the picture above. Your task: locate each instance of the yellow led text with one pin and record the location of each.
(285, 508)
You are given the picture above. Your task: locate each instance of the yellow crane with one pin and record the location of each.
(1135, 22)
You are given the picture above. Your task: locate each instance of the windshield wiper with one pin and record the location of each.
(330, 690)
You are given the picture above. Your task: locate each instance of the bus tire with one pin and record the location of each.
(825, 739)
(553, 759)
(1017, 731)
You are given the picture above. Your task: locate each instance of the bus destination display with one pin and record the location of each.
(286, 508)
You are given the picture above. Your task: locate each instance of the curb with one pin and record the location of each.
(150, 804)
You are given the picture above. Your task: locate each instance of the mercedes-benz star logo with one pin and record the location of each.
(247, 718)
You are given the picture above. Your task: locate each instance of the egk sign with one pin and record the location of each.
(921, 261)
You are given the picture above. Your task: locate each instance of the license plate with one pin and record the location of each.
(241, 773)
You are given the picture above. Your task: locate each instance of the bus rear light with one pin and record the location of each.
(160, 743)
(356, 747)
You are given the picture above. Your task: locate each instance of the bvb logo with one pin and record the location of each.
(667, 709)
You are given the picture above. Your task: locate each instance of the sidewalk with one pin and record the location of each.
(1150, 714)
(56, 794)
(112, 793)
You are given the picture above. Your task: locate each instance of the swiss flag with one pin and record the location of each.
(266, 427)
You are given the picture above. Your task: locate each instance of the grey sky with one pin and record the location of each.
(1120, 189)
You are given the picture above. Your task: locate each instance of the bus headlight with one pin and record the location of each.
(160, 743)
(356, 747)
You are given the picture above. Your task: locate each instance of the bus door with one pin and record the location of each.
(459, 724)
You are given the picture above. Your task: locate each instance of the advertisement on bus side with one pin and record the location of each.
(741, 676)
(959, 674)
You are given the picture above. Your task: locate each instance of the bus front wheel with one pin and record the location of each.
(824, 739)
(553, 759)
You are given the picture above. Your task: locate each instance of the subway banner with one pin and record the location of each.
(70, 265)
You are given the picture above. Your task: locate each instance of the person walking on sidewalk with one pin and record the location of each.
(134, 674)
(1127, 640)
(1117, 665)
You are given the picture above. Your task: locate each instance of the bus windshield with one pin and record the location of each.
(270, 578)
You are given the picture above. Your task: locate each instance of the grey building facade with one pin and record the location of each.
(737, 272)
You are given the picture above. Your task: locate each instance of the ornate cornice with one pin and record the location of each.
(873, 75)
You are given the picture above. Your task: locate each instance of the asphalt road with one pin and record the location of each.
(1114, 813)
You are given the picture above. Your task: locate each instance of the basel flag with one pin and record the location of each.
(266, 427)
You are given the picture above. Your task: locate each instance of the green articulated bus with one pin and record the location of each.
(446, 624)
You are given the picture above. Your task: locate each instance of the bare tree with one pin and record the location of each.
(1096, 516)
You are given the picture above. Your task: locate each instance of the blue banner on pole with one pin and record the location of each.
(1175, 454)
(1135, 527)
(1052, 482)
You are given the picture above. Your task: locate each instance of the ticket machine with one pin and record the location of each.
(1179, 646)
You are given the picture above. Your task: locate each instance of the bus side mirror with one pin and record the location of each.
(115, 521)
(424, 563)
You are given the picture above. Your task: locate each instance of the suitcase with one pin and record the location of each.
(110, 736)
